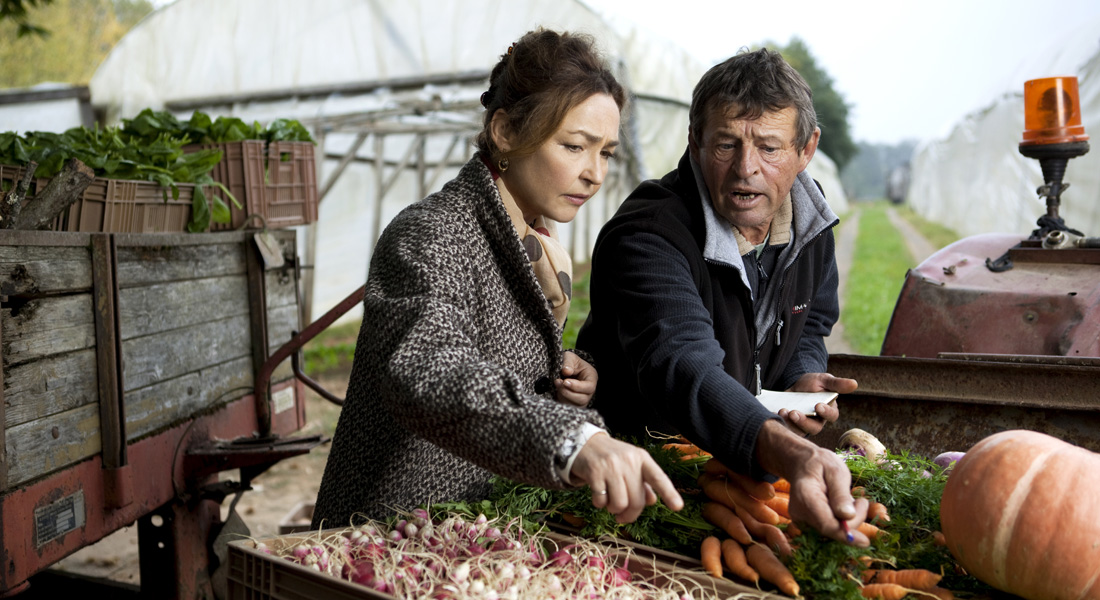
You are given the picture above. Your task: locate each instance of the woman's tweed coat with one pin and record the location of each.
(456, 338)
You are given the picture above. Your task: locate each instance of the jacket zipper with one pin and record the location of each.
(779, 296)
(783, 280)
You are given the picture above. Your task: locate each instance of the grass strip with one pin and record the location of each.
(879, 264)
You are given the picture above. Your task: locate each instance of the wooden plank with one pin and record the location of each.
(112, 418)
(47, 326)
(281, 323)
(170, 354)
(46, 445)
(280, 289)
(37, 270)
(49, 386)
(157, 240)
(3, 417)
(166, 403)
(24, 238)
(144, 265)
(166, 306)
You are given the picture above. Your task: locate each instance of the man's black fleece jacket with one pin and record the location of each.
(675, 331)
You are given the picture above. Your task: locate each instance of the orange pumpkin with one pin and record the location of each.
(1021, 512)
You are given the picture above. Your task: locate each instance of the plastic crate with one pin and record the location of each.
(115, 205)
(256, 575)
(241, 171)
(122, 206)
(290, 191)
(276, 180)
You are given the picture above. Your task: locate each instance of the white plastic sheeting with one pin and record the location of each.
(976, 181)
(199, 49)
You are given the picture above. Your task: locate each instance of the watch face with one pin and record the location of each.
(565, 452)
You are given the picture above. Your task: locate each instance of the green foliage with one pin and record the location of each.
(150, 147)
(15, 11)
(879, 265)
(81, 33)
(938, 235)
(865, 176)
(201, 129)
(112, 153)
(332, 351)
(911, 487)
(657, 526)
(832, 109)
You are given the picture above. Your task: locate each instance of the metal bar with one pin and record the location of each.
(263, 378)
(388, 128)
(105, 298)
(404, 162)
(296, 365)
(393, 163)
(257, 306)
(1045, 386)
(930, 426)
(343, 164)
(344, 89)
(662, 100)
(1081, 361)
(445, 112)
(443, 162)
(1075, 256)
(379, 193)
(21, 97)
(421, 169)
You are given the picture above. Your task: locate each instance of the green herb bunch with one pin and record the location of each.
(657, 526)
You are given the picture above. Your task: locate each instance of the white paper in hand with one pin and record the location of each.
(803, 402)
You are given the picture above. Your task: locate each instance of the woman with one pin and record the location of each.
(459, 371)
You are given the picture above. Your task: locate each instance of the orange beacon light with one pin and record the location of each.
(1053, 134)
(1052, 112)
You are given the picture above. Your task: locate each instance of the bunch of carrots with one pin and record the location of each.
(755, 515)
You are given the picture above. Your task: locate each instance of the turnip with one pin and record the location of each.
(947, 460)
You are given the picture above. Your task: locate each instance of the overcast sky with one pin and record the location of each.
(908, 69)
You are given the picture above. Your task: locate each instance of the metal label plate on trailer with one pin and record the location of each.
(283, 399)
(58, 518)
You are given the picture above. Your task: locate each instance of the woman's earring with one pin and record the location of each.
(502, 165)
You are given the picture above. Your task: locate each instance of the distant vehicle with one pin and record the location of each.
(897, 184)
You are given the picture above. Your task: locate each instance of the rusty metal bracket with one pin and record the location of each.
(251, 455)
(1034, 385)
(292, 347)
(296, 364)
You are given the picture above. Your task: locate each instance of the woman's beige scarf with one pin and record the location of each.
(552, 264)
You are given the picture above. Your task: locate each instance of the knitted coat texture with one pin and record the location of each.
(452, 377)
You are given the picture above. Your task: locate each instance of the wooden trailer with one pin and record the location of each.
(129, 369)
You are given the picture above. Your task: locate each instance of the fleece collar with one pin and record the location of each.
(809, 216)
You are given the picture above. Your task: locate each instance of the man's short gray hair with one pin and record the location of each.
(754, 82)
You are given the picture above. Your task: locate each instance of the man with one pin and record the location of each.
(720, 280)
